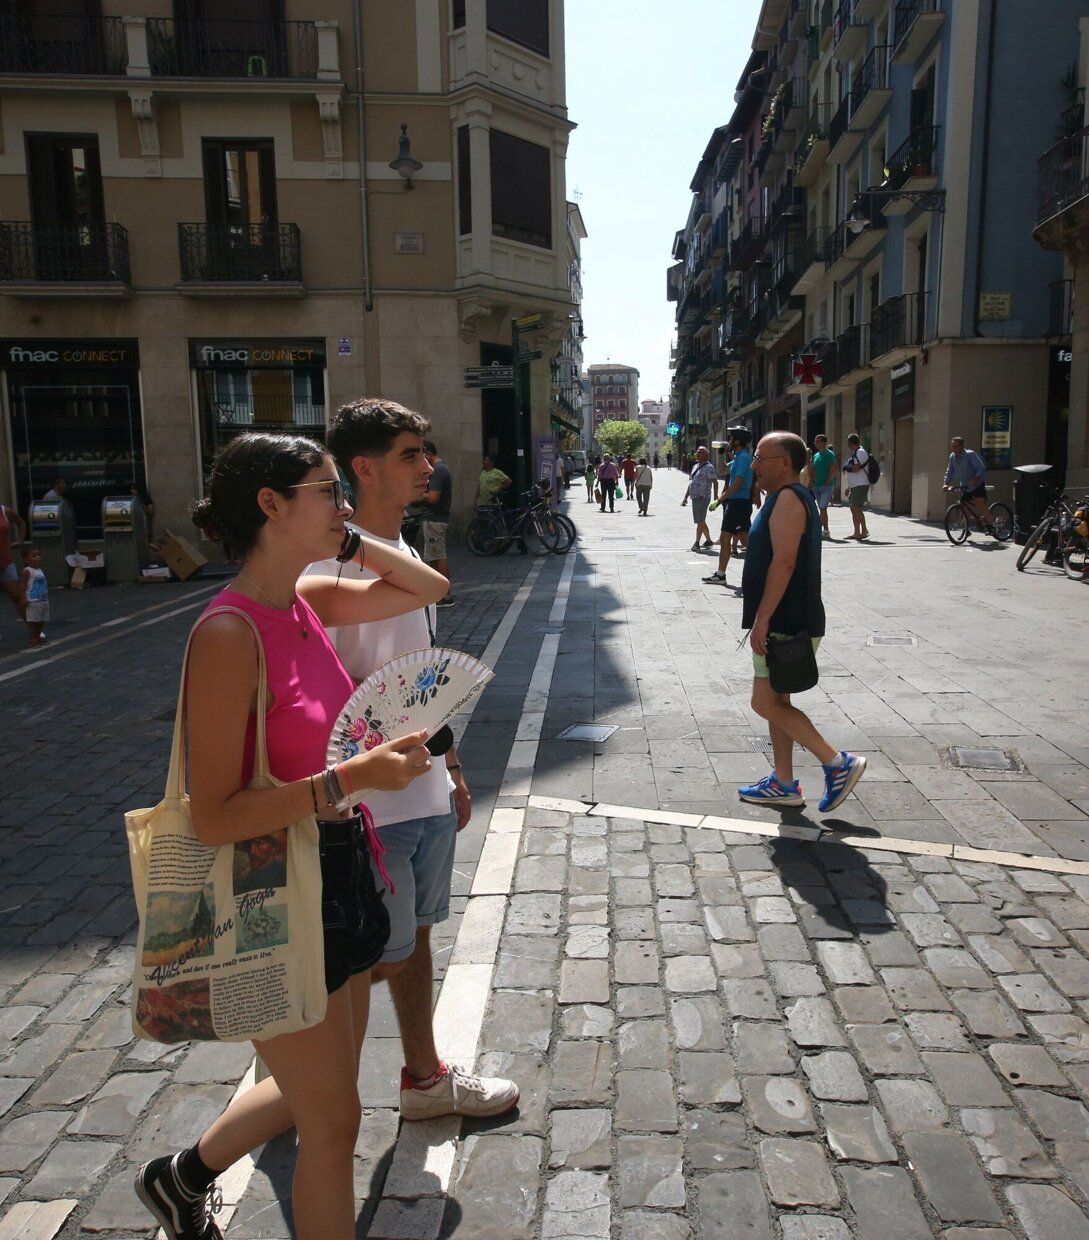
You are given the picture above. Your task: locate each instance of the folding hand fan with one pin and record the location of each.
(415, 691)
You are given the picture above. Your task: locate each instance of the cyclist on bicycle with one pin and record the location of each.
(968, 471)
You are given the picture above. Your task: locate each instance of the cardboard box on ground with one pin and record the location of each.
(179, 553)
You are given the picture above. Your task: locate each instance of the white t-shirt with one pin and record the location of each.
(856, 477)
(644, 476)
(362, 649)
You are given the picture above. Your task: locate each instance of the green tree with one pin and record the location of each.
(622, 438)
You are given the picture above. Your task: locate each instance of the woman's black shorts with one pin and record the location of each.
(353, 912)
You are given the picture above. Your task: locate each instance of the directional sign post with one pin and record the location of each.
(491, 377)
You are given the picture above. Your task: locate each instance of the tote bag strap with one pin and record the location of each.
(175, 779)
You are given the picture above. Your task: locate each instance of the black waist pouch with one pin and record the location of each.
(792, 663)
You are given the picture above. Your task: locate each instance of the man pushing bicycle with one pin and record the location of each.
(968, 471)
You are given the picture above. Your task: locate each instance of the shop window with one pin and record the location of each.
(521, 21)
(521, 190)
(465, 183)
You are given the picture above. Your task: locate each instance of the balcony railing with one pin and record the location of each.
(815, 132)
(248, 253)
(914, 157)
(227, 48)
(898, 323)
(837, 126)
(268, 410)
(62, 44)
(1062, 308)
(64, 253)
(844, 20)
(850, 352)
(1063, 176)
(747, 244)
(908, 13)
(874, 73)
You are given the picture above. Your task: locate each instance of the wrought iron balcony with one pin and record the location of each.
(63, 44)
(1062, 308)
(253, 253)
(848, 31)
(850, 354)
(914, 157)
(898, 326)
(812, 149)
(871, 86)
(839, 123)
(1063, 185)
(915, 22)
(747, 244)
(64, 253)
(227, 48)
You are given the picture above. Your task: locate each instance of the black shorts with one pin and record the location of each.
(979, 492)
(353, 912)
(737, 516)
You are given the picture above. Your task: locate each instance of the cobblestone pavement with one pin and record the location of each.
(721, 1025)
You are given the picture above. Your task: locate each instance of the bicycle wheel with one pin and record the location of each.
(1076, 557)
(1034, 542)
(484, 535)
(1002, 516)
(568, 534)
(956, 524)
(541, 531)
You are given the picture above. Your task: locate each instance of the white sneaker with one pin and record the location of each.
(457, 1093)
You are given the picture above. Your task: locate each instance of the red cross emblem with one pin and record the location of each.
(807, 370)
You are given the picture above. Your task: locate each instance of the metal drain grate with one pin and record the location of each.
(984, 759)
(595, 732)
(880, 639)
(762, 744)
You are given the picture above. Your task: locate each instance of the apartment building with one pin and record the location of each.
(614, 392)
(655, 416)
(206, 226)
(875, 251)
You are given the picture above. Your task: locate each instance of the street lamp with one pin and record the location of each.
(859, 217)
(406, 165)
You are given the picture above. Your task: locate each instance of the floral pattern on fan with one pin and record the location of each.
(414, 692)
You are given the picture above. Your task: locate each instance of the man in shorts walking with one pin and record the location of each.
(824, 470)
(702, 482)
(781, 588)
(858, 485)
(380, 446)
(737, 506)
(434, 508)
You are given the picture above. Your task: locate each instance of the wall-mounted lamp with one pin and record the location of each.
(406, 165)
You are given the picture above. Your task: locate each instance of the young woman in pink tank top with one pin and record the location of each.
(10, 583)
(276, 500)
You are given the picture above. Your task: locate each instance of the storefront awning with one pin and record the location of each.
(564, 424)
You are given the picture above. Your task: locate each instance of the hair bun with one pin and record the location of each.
(203, 517)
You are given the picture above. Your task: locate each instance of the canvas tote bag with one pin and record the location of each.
(230, 945)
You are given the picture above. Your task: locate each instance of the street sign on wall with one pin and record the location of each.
(996, 439)
(493, 376)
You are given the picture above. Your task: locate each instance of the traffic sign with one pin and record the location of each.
(527, 355)
(527, 322)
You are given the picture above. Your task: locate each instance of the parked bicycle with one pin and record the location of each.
(1068, 526)
(532, 524)
(963, 514)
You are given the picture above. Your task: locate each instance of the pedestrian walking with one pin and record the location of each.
(378, 444)
(669, 460)
(737, 503)
(656, 460)
(276, 501)
(823, 471)
(434, 508)
(591, 479)
(608, 474)
(628, 468)
(644, 480)
(968, 470)
(857, 482)
(702, 482)
(10, 579)
(781, 591)
(35, 596)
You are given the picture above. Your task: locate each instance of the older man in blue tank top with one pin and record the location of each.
(781, 589)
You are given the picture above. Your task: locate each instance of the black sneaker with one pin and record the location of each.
(183, 1215)
(447, 600)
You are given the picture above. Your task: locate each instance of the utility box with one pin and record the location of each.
(53, 532)
(1033, 488)
(124, 537)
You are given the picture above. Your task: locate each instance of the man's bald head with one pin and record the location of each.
(790, 445)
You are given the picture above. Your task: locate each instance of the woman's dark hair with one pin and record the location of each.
(368, 427)
(229, 513)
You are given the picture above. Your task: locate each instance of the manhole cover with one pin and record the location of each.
(596, 732)
(879, 639)
(984, 759)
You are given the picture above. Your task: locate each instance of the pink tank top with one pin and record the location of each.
(306, 680)
(6, 557)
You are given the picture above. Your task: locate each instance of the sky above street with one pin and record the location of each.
(647, 82)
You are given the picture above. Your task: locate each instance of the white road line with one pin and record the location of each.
(425, 1153)
(112, 637)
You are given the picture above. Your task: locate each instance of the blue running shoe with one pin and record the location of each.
(769, 791)
(839, 780)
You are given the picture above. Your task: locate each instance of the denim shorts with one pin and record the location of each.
(420, 859)
(823, 495)
(9, 573)
(353, 913)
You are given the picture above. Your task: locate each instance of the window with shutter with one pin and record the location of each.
(521, 21)
(521, 190)
(459, 14)
(465, 183)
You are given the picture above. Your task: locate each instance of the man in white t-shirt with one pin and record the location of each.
(378, 445)
(857, 482)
